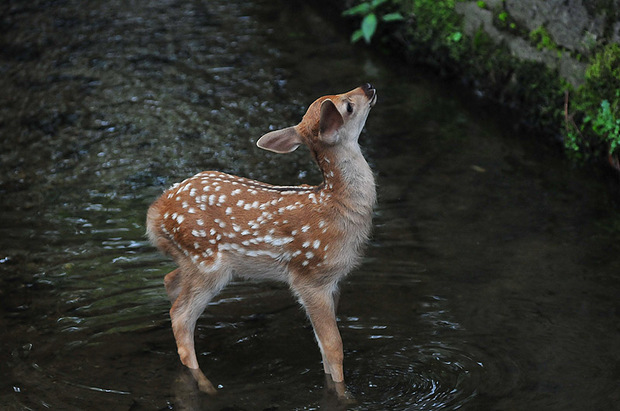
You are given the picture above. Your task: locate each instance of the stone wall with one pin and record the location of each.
(575, 26)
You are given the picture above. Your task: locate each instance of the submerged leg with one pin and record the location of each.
(319, 304)
(335, 295)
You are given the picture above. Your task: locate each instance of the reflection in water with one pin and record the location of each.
(491, 281)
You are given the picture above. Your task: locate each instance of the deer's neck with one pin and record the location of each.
(348, 179)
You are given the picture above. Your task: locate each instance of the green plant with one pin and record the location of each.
(607, 126)
(370, 18)
(604, 125)
(596, 106)
(437, 29)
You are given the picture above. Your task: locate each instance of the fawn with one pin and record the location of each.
(216, 226)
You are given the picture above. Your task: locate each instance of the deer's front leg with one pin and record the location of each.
(335, 296)
(319, 305)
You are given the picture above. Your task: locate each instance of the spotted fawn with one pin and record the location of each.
(217, 226)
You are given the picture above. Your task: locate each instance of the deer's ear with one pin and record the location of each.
(330, 122)
(280, 141)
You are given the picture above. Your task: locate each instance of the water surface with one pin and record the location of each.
(491, 281)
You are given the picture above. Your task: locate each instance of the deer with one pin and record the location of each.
(218, 226)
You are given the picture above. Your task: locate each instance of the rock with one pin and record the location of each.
(533, 14)
(615, 36)
(567, 21)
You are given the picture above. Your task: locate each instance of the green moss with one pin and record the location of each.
(542, 40)
(503, 21)
(603, 74)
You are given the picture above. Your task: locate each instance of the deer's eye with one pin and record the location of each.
(349, 107)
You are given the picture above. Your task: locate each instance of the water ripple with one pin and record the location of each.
(420, 377)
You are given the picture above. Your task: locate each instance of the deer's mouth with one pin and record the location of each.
(373, 99)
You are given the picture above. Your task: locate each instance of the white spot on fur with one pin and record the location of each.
(199, 233)
(282, 241)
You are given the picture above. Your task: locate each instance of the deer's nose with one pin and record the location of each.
(368, 89)
(370, 92)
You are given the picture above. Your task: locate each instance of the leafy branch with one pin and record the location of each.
(370, 19)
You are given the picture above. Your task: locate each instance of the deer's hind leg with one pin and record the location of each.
(196, 287)
(172, 281)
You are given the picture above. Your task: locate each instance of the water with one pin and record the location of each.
(491, 282)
